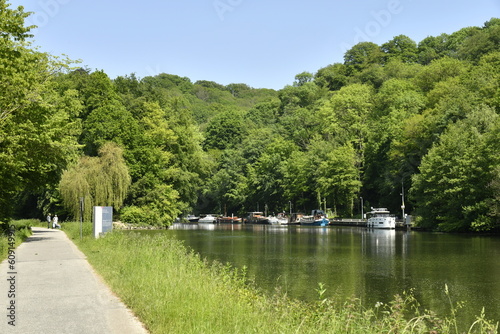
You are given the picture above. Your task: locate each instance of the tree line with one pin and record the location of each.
(419, 119)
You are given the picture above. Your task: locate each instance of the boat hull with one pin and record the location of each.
(208, 219)
(316, 222)
(381, 218)
(385, 223)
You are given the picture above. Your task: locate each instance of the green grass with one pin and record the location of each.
(172, 290)
(18, 231)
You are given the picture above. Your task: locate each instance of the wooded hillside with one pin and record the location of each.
(423, 117)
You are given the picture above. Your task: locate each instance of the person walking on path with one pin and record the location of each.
(55, 222)
(49, 220)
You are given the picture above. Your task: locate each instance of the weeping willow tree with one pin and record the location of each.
(102, 181)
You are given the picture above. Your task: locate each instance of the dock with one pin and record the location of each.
(347, 222)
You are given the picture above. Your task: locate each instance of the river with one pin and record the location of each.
(373, 265)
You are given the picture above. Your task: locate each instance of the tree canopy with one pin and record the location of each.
(423, 116)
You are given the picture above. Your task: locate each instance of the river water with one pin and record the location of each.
(373, 265)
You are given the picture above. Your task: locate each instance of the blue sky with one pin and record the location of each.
(263, 43)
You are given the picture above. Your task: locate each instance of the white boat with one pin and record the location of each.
(208, 219)
(381, 218)
(193, 218)
(273, 220)
(282, 219)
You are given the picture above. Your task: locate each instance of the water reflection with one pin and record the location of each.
(371, 264)
(378, 241)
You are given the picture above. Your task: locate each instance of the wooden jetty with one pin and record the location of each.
(348, 222)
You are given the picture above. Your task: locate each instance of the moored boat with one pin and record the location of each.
(193, 218)
(208, 219)
(256, 217)
(317, 218)
(381, 218)
(229, 220)
(283, 219)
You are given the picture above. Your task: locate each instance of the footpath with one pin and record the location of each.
(51, 288)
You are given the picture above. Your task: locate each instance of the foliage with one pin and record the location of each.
(454, 184)
(100, 181)
(385, 118)
(13, 233)
(37, 131)
(221, 299)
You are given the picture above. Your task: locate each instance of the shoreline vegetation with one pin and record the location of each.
(172, 289)
(19, 230)
(401, 125)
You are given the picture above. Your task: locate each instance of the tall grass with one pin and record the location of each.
(18, 229)
(173, 290)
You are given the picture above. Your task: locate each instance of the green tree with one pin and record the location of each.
(154, 203)
(264, 113)
(298, 180)
(266, 174)
(189, 164)
(401, 47)
(101, 181)
(362, 56)
(346, 115)
(397, 102)
(484, 80)
(439, 70)
(36, 126)
(481, 41)
(107, 123)
(224, 130)
(302, 96)
(302, 78)
(433, 47)
(337, 177)
(228, 187)
(333, 76)
(457, 176)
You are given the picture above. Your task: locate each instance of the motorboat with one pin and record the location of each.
(381, 218)
(193, 218)
(208, 219)
(317, 218)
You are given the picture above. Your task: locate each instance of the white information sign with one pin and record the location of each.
(103, 220)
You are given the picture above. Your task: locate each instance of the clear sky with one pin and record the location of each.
(263, 43)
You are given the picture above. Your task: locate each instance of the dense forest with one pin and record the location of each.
(419, 119)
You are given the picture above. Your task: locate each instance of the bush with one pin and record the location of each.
(139, 216)
(19, 230)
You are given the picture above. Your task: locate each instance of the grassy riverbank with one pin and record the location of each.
(19, 230)
(173, 290)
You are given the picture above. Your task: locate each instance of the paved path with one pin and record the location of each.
(57, 291)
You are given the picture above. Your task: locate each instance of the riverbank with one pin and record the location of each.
(173, 290)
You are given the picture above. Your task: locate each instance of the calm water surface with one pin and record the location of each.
(373, 265)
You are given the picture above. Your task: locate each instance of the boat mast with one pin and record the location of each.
(403, 199)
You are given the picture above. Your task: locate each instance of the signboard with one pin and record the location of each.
(103, 219)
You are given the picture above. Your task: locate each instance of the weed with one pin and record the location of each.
(21, 230)
(173, 290)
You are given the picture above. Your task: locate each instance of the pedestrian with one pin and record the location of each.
(49, 220)
(55, 222)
